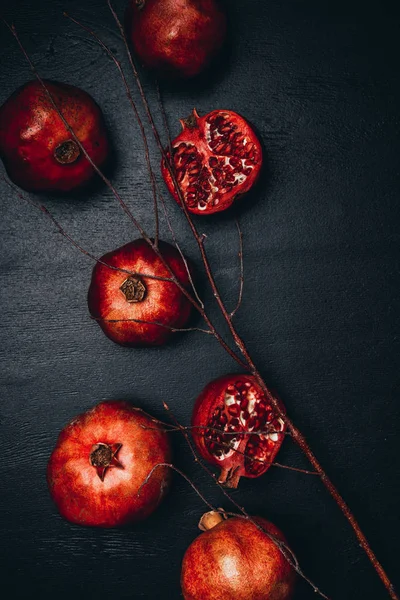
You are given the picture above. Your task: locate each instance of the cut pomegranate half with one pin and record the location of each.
(236, 428)
(216, 158)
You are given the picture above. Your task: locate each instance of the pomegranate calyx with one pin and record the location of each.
(191, 122)
(134, 289)
(104, 456)
(211, 519)
(67, 152)
(229, 478)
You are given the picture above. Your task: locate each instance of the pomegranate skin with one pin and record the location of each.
(236, 561)
(162, 303)
(236, 463)
(81, 496)
(39, 153)
(177, 38)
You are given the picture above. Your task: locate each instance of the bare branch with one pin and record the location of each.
(61, 230)
(173, 468)
(173, 329)
(241, 276)
(125, 207)
(136, 113)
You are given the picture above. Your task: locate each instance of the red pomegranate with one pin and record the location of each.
(234, 560)
(38, 151)
(244, 433)
(131, 307)
(175, 37)
(101, 459)
(217, 158)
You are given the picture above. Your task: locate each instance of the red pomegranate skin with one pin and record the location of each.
(221, 406)
(177, 38)
(81, 496)
(163, 301)
(217, 159)
(236, 561)
(39, 153)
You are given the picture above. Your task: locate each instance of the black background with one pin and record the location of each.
(320, 81)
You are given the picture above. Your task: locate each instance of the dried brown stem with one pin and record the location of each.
(297, 435)
(134, 108)
(173, 329)
(74, 243)
(171, 229)
(125, 207)
(241, 276)
(182, 474)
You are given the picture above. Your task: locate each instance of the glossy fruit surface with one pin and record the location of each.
(101, 459)
(177, 38)
(217, 158)
(245, 434)
(234, 560)
(38, 151)
(135, 310)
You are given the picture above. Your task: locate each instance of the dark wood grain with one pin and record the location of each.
(320, 311)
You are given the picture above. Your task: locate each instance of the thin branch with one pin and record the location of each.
(173, 329)
(250, 365)
(125, 207)
(173, 468)
(74, 243)
(171, 229)
(153, 180)
(134, 108)
(241, 276)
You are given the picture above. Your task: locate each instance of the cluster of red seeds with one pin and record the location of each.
(244, 409)
(235, 162)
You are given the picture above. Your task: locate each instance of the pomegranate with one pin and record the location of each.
(38, 151)
(135, 310)
(101, 459)
(234, 407)
(177, 38)
(234, 560)
(216, 158)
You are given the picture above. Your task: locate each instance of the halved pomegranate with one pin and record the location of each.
(216, 159)
(244, 432)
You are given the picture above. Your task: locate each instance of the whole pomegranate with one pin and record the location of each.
(216, 159)
(38, 151)
(234, 560)
(176, 37)
(101, 459)
(244, 433)
(133, 308)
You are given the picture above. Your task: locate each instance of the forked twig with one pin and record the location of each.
(296, 433)
(247, 363)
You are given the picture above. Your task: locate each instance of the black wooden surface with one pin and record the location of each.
(320, 313)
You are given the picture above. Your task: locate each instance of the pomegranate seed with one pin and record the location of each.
(212, 161)
(234, 410)
(244, 403)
